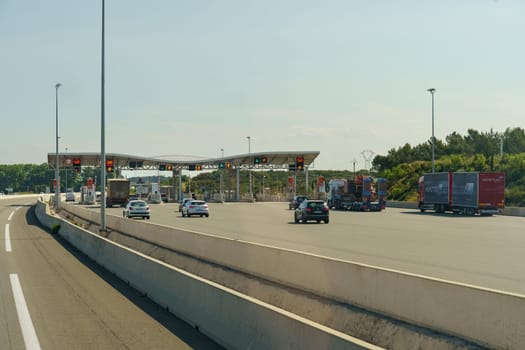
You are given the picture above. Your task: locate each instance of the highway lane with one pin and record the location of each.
(482, 251)
(52, 297)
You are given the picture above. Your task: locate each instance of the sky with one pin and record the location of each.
(341, 77)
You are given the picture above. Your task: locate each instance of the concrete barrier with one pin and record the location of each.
(487, 317)
(232, 319)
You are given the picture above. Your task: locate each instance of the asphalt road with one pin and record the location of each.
(52, 297)
(482, 251)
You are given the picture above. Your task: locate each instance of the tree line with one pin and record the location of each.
(488, 144)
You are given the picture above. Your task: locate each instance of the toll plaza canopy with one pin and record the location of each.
(260, 160)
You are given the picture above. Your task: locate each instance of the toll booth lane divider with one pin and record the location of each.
(232, 319)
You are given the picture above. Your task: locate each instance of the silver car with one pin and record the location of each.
(195, 207)
(70, 196)
(137, 208)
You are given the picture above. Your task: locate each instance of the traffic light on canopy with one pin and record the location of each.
(110, 165)
(76, 165)
(299, 163)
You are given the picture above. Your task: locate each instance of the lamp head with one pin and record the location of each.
(431, 90)
(57, 85)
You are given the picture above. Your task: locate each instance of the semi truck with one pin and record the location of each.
(466, 193)
(364, 193)
(117, 192)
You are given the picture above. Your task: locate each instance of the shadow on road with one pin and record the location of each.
(179, 328)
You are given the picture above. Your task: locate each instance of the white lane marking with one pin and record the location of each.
(7, 239)
(28, 330)
(12, 213)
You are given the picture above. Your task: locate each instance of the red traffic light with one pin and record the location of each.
(299, 163)
(110, 164)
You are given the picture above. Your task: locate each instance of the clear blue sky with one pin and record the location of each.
(192, 77)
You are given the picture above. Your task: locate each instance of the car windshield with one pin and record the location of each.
(197, 203)
(138, 204)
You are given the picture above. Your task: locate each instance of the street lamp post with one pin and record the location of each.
(65, 168)
(250, 165)
(57, 165)
(102, 129)
(432, 91)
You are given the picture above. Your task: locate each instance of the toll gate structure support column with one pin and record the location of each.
(306, 188)
(173, 186)
(180, 184)
(237, 194)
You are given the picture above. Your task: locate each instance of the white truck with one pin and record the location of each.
(155, 196)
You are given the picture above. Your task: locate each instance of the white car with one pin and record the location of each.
(195, 207)
(137, 208)
(70, 196)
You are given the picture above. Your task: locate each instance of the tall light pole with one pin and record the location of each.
(65, 168)
(57, 165)
(102, 136)
(250, 164)
(432, 91)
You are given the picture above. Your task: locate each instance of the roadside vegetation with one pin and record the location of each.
(476, 151)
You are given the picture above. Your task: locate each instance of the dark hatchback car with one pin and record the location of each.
(312, 210)
(296, 201)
